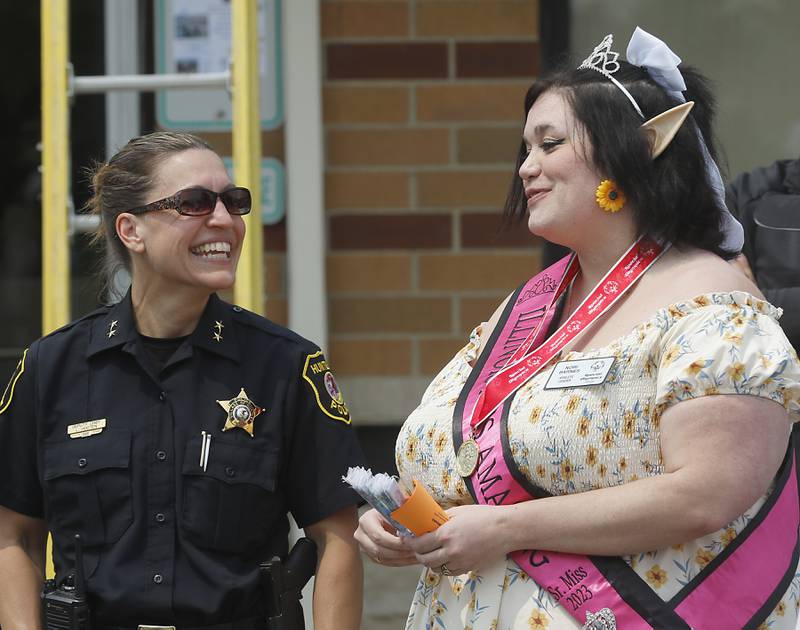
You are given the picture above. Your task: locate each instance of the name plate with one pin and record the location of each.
(85, 429)
(579, 373)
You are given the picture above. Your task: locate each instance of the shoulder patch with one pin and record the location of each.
(329, 399)
(8, 393)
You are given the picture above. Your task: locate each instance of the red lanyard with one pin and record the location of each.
(523, 365)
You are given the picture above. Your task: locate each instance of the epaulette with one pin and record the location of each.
(99, 312)
(254, 320)
(316, 370)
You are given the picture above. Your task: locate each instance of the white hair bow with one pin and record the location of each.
(652, 54)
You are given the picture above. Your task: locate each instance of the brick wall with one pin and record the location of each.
(422, 105)
(422, 112)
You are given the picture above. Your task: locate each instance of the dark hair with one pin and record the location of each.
(122, 183)
(672, 195)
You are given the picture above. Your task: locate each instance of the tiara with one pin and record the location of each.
(602, 58)
(604, 61)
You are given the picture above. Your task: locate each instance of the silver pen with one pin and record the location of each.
(206, 449)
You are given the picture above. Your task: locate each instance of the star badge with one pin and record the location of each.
(241, 412)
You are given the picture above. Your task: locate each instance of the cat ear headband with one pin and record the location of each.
(652, 54)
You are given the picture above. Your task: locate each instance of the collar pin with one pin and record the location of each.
(217, 335)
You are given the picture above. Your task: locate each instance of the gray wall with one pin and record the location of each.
(750, 49)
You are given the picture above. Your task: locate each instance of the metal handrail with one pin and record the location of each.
(147, 82)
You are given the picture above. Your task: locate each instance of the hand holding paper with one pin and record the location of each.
(420, 513)
(411, 514)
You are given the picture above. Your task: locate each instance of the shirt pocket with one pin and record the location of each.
(232, 505)
(87, 482)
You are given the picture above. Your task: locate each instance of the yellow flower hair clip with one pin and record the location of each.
(609, 197)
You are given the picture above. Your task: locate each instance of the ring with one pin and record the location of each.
(444, 570)
(378, 558)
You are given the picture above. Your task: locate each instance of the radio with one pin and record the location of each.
(64, 605)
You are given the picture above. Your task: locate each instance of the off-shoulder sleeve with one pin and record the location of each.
(728, 348)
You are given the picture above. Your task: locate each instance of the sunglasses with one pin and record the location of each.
(196, 202)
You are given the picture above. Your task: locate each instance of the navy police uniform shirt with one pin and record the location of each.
(175, 500)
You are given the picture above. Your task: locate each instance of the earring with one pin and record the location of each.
(609, 197)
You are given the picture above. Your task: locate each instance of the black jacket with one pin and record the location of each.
(767, 202)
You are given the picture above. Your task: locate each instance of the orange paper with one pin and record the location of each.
(420, 513)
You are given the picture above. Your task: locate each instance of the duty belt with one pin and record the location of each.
(253, 623)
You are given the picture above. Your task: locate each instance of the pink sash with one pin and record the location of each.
(750, 575)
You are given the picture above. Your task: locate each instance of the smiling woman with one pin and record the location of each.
(183, 244)
(124, 182)
(172, 431)
(587, 440)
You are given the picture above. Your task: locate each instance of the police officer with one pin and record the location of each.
(174, 431)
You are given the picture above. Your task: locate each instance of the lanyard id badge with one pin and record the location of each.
(525, 364)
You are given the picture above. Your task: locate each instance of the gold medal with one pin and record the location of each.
(467, 458)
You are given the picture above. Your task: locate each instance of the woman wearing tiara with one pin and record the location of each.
(614, 445)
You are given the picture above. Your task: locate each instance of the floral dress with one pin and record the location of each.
(574, 440)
